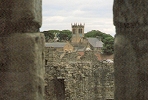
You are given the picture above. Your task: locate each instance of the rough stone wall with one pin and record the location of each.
(20, 16)
(22, 50)
(131, 51)
(22, 67)
(83, 79)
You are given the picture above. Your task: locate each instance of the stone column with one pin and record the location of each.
(21, 50)
(131, 49)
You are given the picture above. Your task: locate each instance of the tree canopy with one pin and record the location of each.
(48, 35)
(107, 39)
(62, 35)
(65, 35)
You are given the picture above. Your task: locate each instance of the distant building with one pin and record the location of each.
(76, 70)
(77, 32)
(79, 44)
(95, 44)
(60, 46)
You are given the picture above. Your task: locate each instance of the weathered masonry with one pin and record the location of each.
(79, 81)
(69, 78)
(21, 50)
(131, 49)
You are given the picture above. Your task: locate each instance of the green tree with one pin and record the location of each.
(108, 46)
(54, 31)
(62, 35)
(65, 35)
(48, 35)
(69, 33)
(93, 33)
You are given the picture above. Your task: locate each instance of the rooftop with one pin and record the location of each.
(95, 42)
(55, 44)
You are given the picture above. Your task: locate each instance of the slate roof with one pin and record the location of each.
(81, 48)
(95, 42)
(55, 44)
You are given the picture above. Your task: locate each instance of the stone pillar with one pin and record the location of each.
(131, 51)
(21, 50)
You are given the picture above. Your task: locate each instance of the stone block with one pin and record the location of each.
(133, 12)
(126, 69)
(22, 67)
(28, 9)
(130, 63)
(20, 13)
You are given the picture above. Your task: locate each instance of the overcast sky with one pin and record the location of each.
(96, 14)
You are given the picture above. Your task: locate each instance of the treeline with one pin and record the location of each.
(107, 39)
(61, 35)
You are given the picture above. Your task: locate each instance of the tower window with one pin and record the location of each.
(80, 30)
(74, 31)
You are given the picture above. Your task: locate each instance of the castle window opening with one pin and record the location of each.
(46, 62)
(59, 88)
(80, 31)
(74, 31)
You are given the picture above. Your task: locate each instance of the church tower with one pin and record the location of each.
(77, 32)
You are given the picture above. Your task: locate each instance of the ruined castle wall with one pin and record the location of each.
(83, 80)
